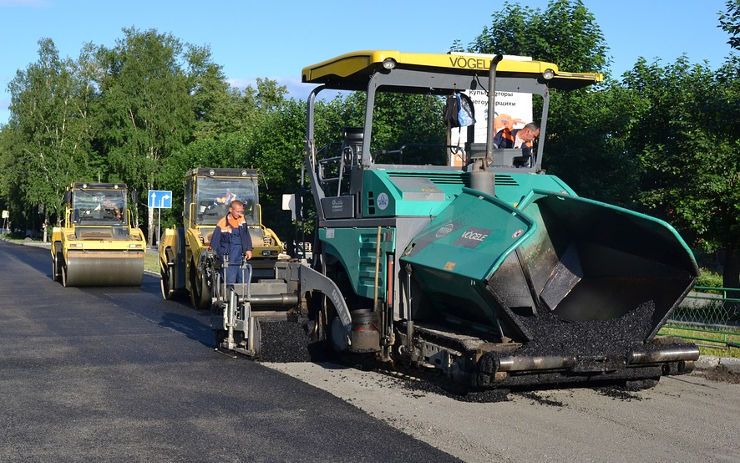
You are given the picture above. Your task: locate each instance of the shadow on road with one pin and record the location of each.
(145, 301)
(192, 328)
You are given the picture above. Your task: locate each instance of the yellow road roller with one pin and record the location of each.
(97, 246)
(185, 258)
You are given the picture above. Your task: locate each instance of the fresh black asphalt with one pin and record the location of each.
(118, 374)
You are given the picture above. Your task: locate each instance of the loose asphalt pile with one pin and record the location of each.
(552, 336)
(284, 342)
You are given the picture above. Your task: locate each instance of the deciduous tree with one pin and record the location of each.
(147, 109)
(52, 129)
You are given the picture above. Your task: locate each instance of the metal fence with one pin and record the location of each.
(707, 316)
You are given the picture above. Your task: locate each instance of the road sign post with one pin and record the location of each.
(159, 199)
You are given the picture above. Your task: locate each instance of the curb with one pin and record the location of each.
(708, 362)
(35, 244)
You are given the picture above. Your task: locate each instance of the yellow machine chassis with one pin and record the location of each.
(90, 255)
(97, 262)
(267, 249)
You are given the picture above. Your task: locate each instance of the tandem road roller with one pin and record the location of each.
(187, 263)
(97, 246)
(490, 271)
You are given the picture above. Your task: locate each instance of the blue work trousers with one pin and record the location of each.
(236, 258)
(234, 270)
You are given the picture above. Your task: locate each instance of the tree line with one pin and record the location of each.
(663, 138)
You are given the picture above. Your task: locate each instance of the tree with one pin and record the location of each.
(687, 141)
(589, 134)
(584, 127)
(566, 33)
(52, 128)
(272, 143)
(146, 106)
(730, 22)
(210, 94)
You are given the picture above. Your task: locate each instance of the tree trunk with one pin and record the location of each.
(731, 271)
(150, 228)
(45, 225)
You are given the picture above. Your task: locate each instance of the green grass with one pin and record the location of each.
(709, 278)
(151, 261)
(707, 338)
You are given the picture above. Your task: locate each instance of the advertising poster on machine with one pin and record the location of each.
(513, 110)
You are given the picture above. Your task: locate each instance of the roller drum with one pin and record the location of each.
(105, 269)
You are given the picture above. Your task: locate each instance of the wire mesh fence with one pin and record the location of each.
(707, 306)
(708, 316)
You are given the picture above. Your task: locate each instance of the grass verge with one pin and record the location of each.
(151, 261)
(708, 339)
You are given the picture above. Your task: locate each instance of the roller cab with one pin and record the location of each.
(97, 246)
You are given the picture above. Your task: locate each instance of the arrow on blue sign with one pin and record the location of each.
(160, 199)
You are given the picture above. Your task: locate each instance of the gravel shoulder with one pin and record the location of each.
(684, 418)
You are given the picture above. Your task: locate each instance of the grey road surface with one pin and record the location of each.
(117, 374)
(683, 419)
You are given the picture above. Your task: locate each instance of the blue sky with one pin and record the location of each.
(276, 39)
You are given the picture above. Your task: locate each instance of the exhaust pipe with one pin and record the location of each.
(637, 357)
(673, 354)
(271, 299)
(535, 363)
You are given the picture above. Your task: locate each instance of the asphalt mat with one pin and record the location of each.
(118, 374)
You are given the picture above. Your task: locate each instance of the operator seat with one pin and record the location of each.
(353, 137)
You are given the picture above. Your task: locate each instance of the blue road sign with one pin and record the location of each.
(160, 199)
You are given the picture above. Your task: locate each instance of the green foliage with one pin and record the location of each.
(566, 33)
(273, 144)
(585, 128)
(689, 162)
(730, 22)
(587, 134)
(709, 278)
(47, 143)
(212, 103)
(146, 104)
(411, 122)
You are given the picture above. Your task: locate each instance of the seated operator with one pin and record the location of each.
(231, 237)
(518, 138)
(227, 198)
(113, 210)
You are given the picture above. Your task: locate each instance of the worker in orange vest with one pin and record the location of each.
(518, 138)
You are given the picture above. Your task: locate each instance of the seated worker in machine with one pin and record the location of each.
(518, 138)
(231, 237)
(112, 210)
(227, 198)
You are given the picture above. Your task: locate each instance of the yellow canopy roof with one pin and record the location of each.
(359, 65)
